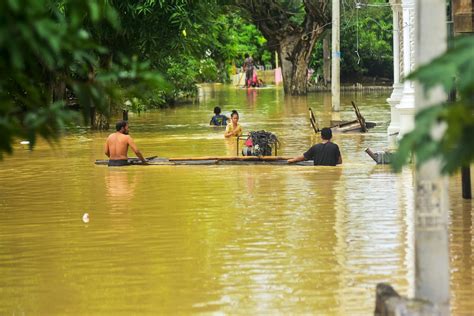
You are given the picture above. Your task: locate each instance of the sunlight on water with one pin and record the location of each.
(215, 239)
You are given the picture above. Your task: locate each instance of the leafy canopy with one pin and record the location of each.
(44, 48)
(366, 42)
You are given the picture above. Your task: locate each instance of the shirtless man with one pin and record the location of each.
(116, 146)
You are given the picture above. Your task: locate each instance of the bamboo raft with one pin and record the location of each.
(214, 160)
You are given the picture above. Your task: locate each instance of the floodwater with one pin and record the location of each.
(216, 239)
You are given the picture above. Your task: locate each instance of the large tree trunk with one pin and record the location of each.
(295, 51)
(294, 40)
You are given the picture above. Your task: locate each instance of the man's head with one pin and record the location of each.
(326, 133)
(217, 110)
(122, 127)
(246, 55)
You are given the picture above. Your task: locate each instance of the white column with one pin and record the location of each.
(397, 92)
(336, 57)
(431, 194)
(406, 107)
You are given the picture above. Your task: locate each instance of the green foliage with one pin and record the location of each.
(373, 54)
(183, 73)
(235, 37)
(134, 105)
(366, 43)
(201, 37)
(455, 147)
(246, 38)
(208, 71)
(44, 48)
(175, 36)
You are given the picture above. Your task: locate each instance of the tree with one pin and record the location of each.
(366, 42)
(292, 27)
(173, 35)
(235, 37)
(44, 48)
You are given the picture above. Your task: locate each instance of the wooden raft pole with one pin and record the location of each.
(235, 158)
(360, 118)
(312, 119)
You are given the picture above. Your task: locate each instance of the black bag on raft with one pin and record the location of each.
(260, 143)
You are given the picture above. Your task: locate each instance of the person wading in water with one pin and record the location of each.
(325, 153)
(248, 68)
(218, 119)
(116, 146)
(233, 128)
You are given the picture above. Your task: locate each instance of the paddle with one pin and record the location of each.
(137, 161)
(240, 79)
(132, 161)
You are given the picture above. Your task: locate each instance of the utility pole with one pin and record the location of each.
(336, 57)
(431, 188)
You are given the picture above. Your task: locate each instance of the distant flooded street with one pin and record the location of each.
(246, 240)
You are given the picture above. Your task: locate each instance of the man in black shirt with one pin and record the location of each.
(325, 153)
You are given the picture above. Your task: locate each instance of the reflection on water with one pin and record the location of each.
(224, 239)
(120, 187)
(461, 249)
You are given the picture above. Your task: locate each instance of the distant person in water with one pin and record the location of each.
(325, 153)
(248, 68)
(233, 128)
(218, 119)
(254, 82)
(116, 146)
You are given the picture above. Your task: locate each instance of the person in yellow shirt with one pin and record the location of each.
(233, 128)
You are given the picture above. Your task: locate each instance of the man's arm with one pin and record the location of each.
(134, 147)
(296, 159)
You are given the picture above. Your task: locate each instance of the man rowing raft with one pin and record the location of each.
(116, 146)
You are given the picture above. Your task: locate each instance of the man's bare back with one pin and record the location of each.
(116, 146)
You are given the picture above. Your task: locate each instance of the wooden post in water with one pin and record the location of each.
(463, 18)
(432, 273)
(125, 115)
(466, 183)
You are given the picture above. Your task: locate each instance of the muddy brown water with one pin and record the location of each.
(216, 239)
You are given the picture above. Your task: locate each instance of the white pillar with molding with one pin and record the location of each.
(406, 107)
(432, 275)
(396, 96)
